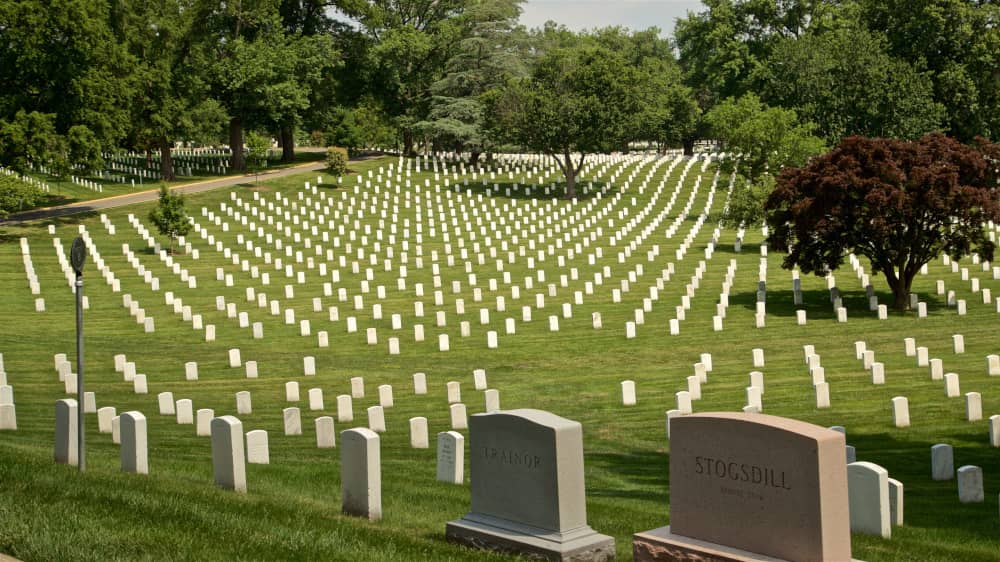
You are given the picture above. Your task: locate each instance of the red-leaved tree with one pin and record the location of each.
(899, 203)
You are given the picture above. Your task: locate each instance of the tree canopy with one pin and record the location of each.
(580, 99)
(82, 79)
(898, 203)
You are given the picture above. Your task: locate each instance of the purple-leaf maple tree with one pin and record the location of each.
(899, 203)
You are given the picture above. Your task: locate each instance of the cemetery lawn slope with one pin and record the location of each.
(292, 508)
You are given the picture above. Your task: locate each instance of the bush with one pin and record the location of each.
(336, 160)
(15, 195)
(317, 138)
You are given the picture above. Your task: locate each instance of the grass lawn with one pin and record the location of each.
(292, 508)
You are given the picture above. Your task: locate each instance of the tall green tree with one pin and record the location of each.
(847, 83)
(721, 47)
(15, 195)
(958, 43)
(30, 139)
(760, 141)
(579, 100)
(262, 74)
(402, 50)
(62, 59)
(669, 113)
(171, 100)
(319, 56)
(489, 53)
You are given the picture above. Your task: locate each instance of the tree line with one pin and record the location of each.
(776, 81)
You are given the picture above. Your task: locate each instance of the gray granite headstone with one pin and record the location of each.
(228, 459)
(361, 473)
(134, 451)
(66, 428)
(527, 487)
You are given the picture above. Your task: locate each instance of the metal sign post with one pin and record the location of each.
(77, 257)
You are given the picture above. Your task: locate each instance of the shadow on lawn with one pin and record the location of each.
(817, 303)
(645, 473)
(909, 462)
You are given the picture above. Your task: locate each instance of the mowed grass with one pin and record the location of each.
(292, 508)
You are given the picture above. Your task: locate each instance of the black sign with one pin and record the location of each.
(78, 255)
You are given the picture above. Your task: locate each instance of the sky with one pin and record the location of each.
(587, 14)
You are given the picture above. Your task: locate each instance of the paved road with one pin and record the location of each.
(152, 194)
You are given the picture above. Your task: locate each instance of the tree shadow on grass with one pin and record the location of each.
(934, 504)
(818, 305)
(645, 473)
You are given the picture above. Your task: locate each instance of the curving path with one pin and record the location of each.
(152, 195)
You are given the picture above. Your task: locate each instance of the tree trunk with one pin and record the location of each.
(900, 286)
(166, 161)
(570, 172)
(473, 158)
(688, 147)
(287, 143)
(408, 143)
(237, 161)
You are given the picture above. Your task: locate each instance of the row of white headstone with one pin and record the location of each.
(360, 455)
(492, 338)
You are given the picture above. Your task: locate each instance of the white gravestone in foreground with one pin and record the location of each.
(66, 432)
(257, 447)
(450, 457)
(868, 490)
(360, 473)
(228, 459)
(134, 450)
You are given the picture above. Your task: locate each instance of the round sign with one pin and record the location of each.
(78, 255)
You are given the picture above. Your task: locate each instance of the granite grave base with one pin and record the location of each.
(660, 545)
(582, 544)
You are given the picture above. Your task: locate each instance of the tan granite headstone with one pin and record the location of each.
(750, 487)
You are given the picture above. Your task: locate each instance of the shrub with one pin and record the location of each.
(336, 160)
(15, 195)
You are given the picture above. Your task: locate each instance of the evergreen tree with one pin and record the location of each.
(486, 57)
